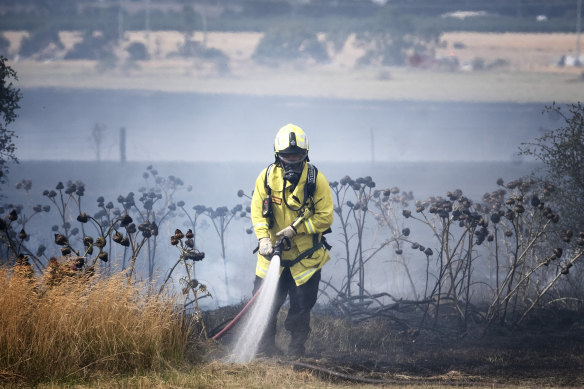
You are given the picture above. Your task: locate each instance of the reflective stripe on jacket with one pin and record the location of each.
(309, 232)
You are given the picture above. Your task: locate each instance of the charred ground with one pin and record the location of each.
(547, 350)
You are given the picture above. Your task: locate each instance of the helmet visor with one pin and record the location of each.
(292, 158)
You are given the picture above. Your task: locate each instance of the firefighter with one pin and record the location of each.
(292, 199)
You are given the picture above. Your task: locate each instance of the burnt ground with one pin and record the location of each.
(547, 351)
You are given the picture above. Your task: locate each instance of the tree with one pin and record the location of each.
(391, 37)
(562, 153)
(9, 98)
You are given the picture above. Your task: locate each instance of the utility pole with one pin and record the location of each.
(123, 145)
(372, 145)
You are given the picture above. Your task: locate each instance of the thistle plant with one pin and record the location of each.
(14, 231)
(190, 285)
(354, 202)
(221, 217)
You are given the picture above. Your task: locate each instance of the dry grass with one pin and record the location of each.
(267, 374)
(81, 326)
(523, 51)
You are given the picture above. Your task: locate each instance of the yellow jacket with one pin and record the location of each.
(308, 233)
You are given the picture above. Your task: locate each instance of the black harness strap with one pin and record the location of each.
(309, 189)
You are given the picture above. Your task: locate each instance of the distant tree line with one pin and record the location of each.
(293, 30)
(261, 15)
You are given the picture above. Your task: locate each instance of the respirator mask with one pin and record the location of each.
(292, 165)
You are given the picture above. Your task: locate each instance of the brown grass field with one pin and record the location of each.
(529, 72)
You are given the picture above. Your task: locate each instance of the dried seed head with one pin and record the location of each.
(415, 245)
(178, 234)
(22, 234)
(558, 252)
(195, 255)
(428, 251)
(82, 218)
(406, 231)
(87, 241)
(189, 234)
(103, 256)
(490, 238)
(406, 213)
(131, 229)
(61, 240)
(125, 220)
(173, 240)
(422, 248)
(125, 242)
(65, 251)
(420, 208)
(100, 242)
(60, 186)
(154, 229)
(495, 218)
(500, 182)
(190, 243)
(240, 193)
(13, 215)
(118, 237)
(399, 251)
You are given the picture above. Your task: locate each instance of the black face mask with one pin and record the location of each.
(292, 171)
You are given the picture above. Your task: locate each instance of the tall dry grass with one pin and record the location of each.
(79, 326)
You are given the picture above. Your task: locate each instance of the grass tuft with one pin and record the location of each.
(80, 326)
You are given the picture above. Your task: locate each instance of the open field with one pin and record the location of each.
(529, 72)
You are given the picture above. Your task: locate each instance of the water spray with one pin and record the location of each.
(283, 244)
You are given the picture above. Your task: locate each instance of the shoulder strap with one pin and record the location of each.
(310, 185)
(268, 170)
